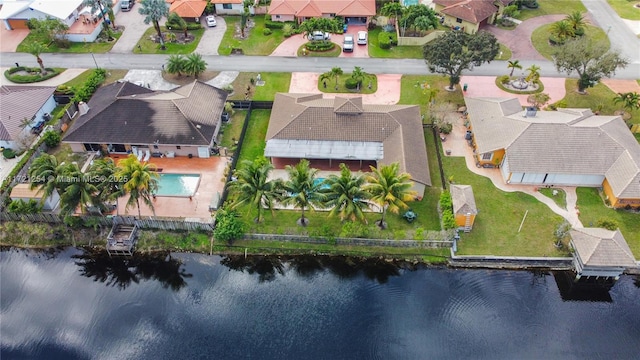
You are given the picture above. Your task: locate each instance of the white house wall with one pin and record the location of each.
(236, 9)
(581, 180)
(91, 37)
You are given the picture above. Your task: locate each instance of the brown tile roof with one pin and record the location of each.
(188, 8)
(463, 200)
(125, 113)
(18, 103)
(473, 11)
(315, 8)
(602, 247)
(24, 191)
(567, 141)
(397, 127)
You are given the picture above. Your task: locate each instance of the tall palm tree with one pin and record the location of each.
(154, 10)
(302, 190)
(176, 64)
(194, 65)
(177, 20)
(140, 181)
(629, 100)
(513, 64)
(102, 6)
(562, 30)
(534, 73)
(389, 189)
(345, 195)
(392, 10)
(335, 73)
(103, 175)
(358, 75)
(44, 173)
(253, 188)
(576, 20)
(324, 77)
(36, 48)
(78, 190)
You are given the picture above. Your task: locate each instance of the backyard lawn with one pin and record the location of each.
(231, 130)
(548, 7)
(273, 83)
(540, 39)
(255, 44)
(75, 47)
(597, 97)
(592, 210)
(411, 91)
(626, 9)
(150, 47)
(396, 52)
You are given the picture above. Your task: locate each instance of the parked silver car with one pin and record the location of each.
(347, 46)
(319, 35)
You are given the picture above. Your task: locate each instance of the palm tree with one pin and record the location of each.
(324, 77)
(392, 10)
(534, 73)
(629, 100)
(140, 181)
(103, 173)
(194, 65)
(389, 189)
(78, 190)
(358, 75)
(345, 195)
(154, 10)
(253, 188)
(562, 30)
(302, 190)
(335, 73)
(576, 20)
(176, 64)
(513, 64)
(36, 48)
(44, 173)
(100, 6)
(175, 19)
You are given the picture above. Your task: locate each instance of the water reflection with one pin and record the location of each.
(121, 272)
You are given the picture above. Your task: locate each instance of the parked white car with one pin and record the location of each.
(319, 35)
(362, 38)
(211, 21)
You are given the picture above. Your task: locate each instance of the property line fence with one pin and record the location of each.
(437, 239)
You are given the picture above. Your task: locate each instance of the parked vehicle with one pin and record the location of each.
(347, 46)
(126, 5)
(362, 38)
(37, 128)
(319, 35)
(211, 21)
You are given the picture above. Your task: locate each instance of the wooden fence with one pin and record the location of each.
(419, 41)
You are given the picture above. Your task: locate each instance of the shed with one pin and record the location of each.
(600, 253)
(464, 206)
(25, 193)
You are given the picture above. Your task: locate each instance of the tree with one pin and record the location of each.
(560, 233)
(538, 100)
(100, 6)
(24, 207)
(78, 191)
(629, 100)
(154, 11)
(254, 188)
(324, 77)
(194, 65)
(423, 23)
(412, 13)
(140, 181)
(51, 138)
(345, 195)
(389, 189)
(392, 10)
(533, 73)
(49, 30)
(174, 20)
(45, 174)
(513, 64)
(302, 190)
(228, 226)
(36, 48)
(456, 51)
(589, 59)
(562, 30)
(576, 20)
(319, 24)
(335, 73)
(109, 186)
(176, 64)
(358, 75)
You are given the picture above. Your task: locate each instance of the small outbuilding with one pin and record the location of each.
(464, 206)
(25, 193)
(600, 254)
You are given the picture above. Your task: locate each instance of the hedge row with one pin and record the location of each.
(320, 45)
(96, 78)
(268, 23)
(26, 79)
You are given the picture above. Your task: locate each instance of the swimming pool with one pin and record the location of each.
(319, 181)
(181, 185)
(410, 2)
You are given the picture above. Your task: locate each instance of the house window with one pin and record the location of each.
(226, 6)
(459, 21)
(332, 15)
(178, 147)
(277, 16)
(487, 156)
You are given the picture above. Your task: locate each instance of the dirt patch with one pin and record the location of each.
(185, 79)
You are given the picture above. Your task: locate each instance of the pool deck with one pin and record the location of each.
(211, 172)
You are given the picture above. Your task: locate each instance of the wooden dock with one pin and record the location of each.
(122, 240)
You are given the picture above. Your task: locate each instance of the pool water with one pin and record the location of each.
(182, 185)
(409, 2)
(318, 181)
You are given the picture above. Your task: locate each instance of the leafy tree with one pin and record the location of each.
(174, 20)
(195, 65)
(456, 51)
(49, 30)
(423, 23)
(412, 13)
(561, 232)
(176, 64)
(254, 188)
(533, 73)
(154, 11)
(24, 207)
(140, 181)
(335, 73)
(302, 190)
(562, 30)
(629, 100)
(392, 10)
(389, 189)
(228, 226)
(51, 138)
(319, 24)
(538, 100)
(589, 59)
(513, 64)
(36, 48)
(102, 6)
(576, 20)
(511, 11)
(345, 195)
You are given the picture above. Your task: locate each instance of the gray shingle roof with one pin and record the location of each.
(463, 200)
(602, 247)
(568, 141)
(18, 103)
(125, 113)
(397, 127)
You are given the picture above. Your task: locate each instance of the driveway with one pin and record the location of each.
(10, 39)
(622, 36)
(519, 39)
(134, 27)
(290, 46)
(388, 88)
(485, 86)
(210, 41)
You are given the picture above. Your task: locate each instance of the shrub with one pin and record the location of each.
(554, 40)
(448, 220)
(34, 74)
(90, 86)
(8, 153)
(579, 31)
(351, 83)
(384, 40)
(445, 201)
(266, 32)
(228, 226)
(287, 30)
(445, 127)
(504, 79)
(320, 45)
(354, 230)
(52, 138)
(607, 224)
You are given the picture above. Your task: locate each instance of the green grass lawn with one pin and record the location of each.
(560, 198)
(151, 47)
(75, 47)
(592, 210)
(411, 91)
(396, 52)
(335, 52)
(80, 79)
(369, 79)
(599, 95)
(256, 44)
(548, 7)
(232, 129)
(504, 54)
(540, 39)
(254, 139)
(273, 83)
(626, 9)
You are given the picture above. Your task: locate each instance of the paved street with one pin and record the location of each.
(620, 35)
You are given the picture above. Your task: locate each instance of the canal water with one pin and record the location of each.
(70, 304)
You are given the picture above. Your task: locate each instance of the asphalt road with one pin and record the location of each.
(280, 64)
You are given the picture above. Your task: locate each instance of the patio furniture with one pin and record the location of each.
(147, 155)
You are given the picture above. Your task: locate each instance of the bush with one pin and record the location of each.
(287, 30)
(448, 220)
(9, 153)
(384, 40)
(266, 32)
(228, 226)
(579, 31)
(607, 224)
(554, 40)
(34, 75)
(504, 79)
(24, 207)
(90, 86)
(506, 23)
(351, 83)
(52, 139)
(354, 230)
(445, 201)
(320, 45)
(445, 127)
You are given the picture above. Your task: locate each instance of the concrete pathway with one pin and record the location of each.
(151, 79)
(134, 27)
(223, 79)
(622, 86)
(485, 86)
(67, 75)
(388, 88)
(10, 39)
(210, 41)
(519, 39)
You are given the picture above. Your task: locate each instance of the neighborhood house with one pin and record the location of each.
(600, 253)
(353, 11)
(470, 15)
(571, 147)
(344, 130)
(23, 107)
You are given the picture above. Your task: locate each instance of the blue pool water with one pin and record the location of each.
(318, 181)
(410, 2)
(182, 185)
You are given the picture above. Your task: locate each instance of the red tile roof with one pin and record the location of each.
(188, 8)
(473, 11)
(315, 8)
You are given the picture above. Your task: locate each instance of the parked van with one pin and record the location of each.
(126, 5)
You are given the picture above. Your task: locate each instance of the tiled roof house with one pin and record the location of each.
(469, 15)
(18, 103)
(354, 11)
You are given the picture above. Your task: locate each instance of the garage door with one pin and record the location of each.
(17, 24)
